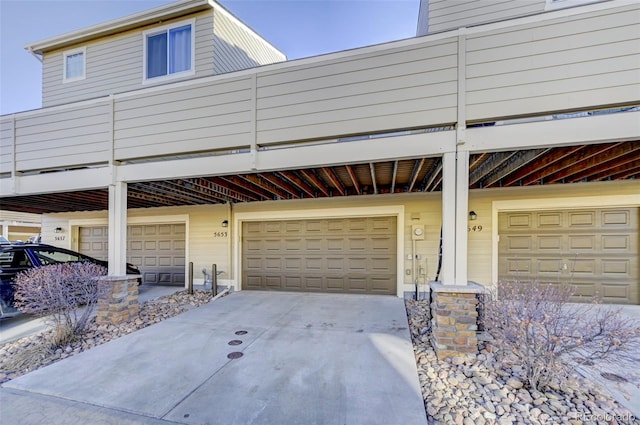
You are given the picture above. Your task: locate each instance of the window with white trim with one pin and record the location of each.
(169, 51)
(561, 4)
(74, 64)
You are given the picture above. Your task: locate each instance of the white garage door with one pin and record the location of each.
(594, 249)
(157, 249)
(350, 255)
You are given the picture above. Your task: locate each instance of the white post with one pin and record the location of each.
(462, 216)
(448, 218)
(118, 229)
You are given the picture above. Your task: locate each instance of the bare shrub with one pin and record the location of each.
(536, 324)
(56, 291)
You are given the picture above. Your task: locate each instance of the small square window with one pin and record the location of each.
(74, 65)
(168, 51)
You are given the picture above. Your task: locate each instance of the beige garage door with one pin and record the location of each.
(350, 255)
(157, 249)
(595, 249)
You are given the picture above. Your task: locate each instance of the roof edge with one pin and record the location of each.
(114, 26)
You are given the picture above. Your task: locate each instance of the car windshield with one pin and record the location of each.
(52, 256)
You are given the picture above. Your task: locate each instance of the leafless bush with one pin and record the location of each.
(537, 324)
(56, 291)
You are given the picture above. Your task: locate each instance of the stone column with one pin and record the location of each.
(119, 302)
(454, 320)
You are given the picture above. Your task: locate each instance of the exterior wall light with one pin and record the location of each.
(473, 215)
(58, 230)
(225, 223)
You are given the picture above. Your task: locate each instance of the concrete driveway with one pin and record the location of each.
(306, 359)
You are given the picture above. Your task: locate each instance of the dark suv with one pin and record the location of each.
(17, 257)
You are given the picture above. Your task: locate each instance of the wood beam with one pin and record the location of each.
(417, 167)
(354, 179)
(311, 176)
(284, 185)
(292, 177)
(520, 159)
(260, 182)
(334, 180)
(603, 169)
(234, 190)
(249, 187)
(494, 161)
(433, 177)
(550, 158)
(592, 156)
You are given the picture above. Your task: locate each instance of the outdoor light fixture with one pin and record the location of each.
(472, 215)
(58, 230)
(225, 223)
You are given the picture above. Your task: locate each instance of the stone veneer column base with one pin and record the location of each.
(119, 303)
(454, 320)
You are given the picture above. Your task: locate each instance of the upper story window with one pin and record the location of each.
(561, 4)
(169, 51)
(74, 65)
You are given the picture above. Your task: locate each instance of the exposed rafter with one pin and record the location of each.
(335, 181)
(292, 177)
(551, 157)
(316, 181)
(417, 167)
(519, 160)
(490, 164)
(394, 176)
(354, 179)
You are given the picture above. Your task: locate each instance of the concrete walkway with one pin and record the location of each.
(306, 359)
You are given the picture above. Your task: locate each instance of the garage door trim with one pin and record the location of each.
(396, 211)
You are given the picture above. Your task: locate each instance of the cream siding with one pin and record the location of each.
(362, 93)
(452, 14)
(114, 64)
(567, 63)
(201, 117)
(204, 248)
(235, 47)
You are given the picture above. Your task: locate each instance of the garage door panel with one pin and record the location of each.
(594, 249)
(329, 255)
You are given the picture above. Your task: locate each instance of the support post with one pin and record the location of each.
(118, 229)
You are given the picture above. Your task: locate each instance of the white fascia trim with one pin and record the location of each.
(538, 204)
(72, 52)
(562, 4)
(146, 17)
(166, 28)
(373, 211)
(242, 25)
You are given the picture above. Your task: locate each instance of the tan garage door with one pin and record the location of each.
(157, 249)
(350, 255)
(595, 249)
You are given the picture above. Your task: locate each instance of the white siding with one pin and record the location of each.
(567, 63)
(114, 65)
(362, 93)
(451, 14)
(199, 117)
(66, 137)
(236, 47)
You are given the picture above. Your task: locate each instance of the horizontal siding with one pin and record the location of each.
(235, 48)
(364, 93)
(570, 63)
(201, 117)
(115, 64)
(63, 138)
(6, 144)
(453, 14)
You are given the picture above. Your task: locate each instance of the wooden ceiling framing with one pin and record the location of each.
(608, 161)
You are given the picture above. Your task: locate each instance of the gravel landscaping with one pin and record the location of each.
(486, 391)
(32, 352)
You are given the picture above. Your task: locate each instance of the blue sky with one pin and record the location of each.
(299, 28)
